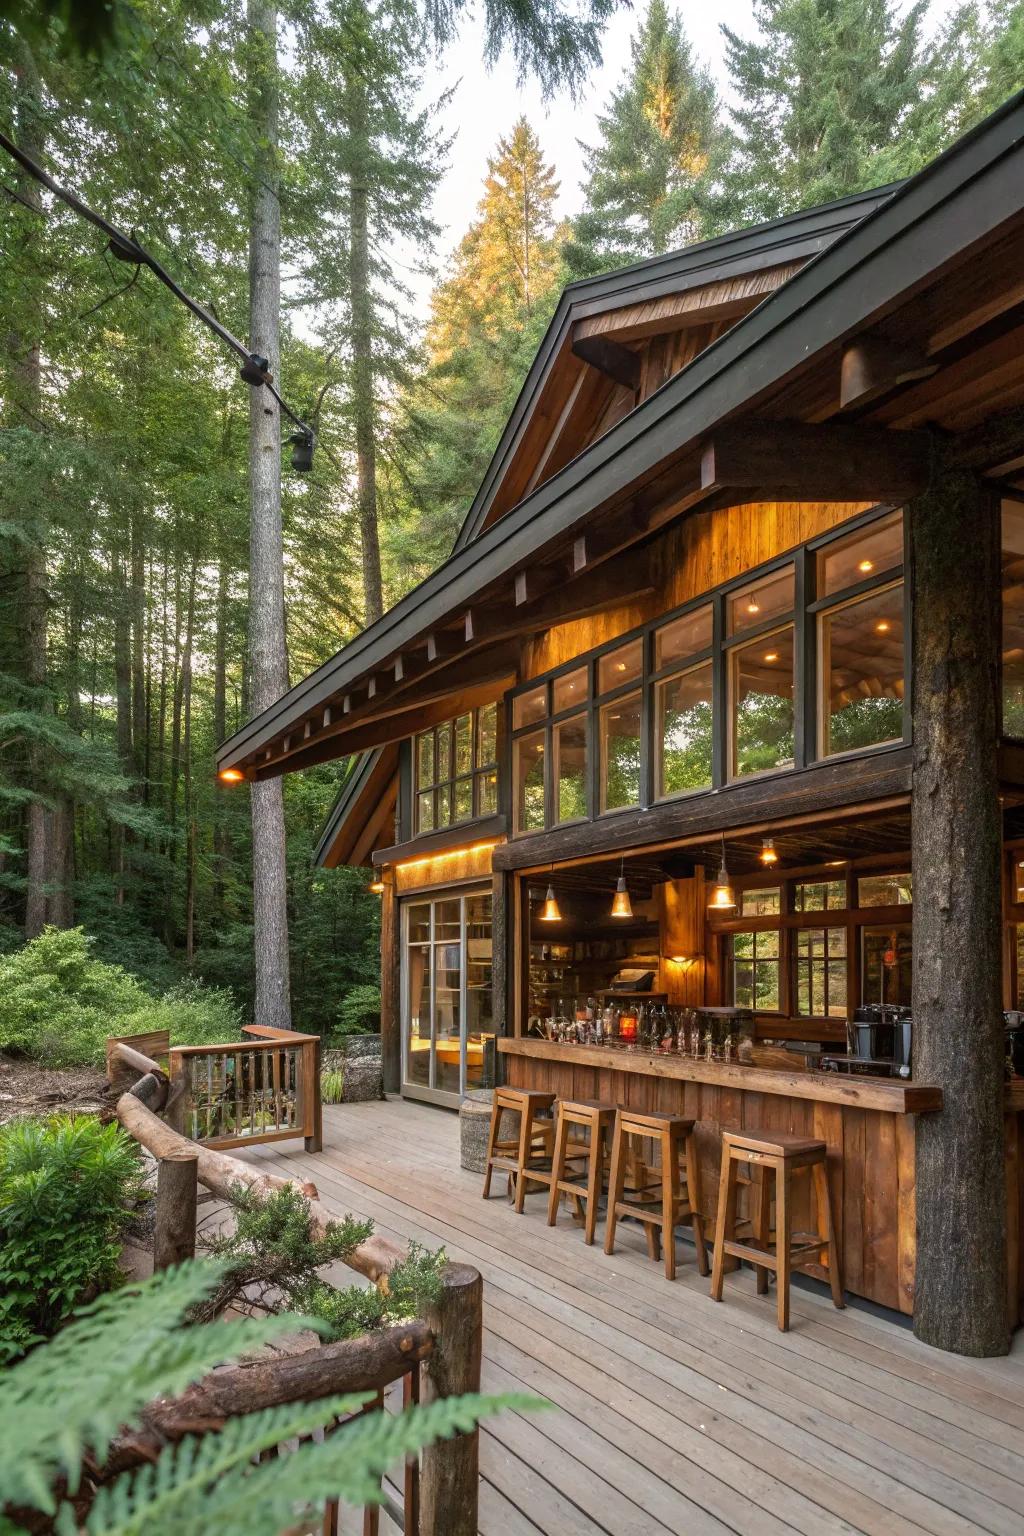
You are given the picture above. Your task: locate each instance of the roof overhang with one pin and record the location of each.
(547, 558)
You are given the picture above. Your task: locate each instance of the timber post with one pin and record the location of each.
(177, 1185)
(960, 1285)
(390, 986)
(450, 1478)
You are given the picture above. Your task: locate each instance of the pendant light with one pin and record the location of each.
(621, 906)
(768, 854)
(723, 897)
(549, 912)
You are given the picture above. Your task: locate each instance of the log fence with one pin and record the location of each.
(434, 1357)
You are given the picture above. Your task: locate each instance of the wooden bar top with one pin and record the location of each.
(882, 1093)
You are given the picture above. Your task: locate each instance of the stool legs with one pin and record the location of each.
(595, 1169)
(696, 1204)
(616, 1184)
(783, 1246)
(823, 1197)
(724, 1224)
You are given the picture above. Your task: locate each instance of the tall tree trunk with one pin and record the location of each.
(267, 652)
(190, 824)
(27, 396)
(220, 680)
(180, 722)
(960, 1298)
(138, 642)
(361, 300)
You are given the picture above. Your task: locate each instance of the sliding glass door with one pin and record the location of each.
(447, 1033)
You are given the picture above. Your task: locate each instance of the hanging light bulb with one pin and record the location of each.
(621, 906)
(723, 897)
(768, 854)
(549, 912)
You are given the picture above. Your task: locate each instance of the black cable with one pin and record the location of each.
(128, 249)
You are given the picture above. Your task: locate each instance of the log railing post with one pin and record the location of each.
(177, 1182)
(312, 1104)
(449, 1481)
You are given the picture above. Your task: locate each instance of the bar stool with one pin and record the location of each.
(784, 1154)
(519, 1155)
(596, 1120)
(670, 1198)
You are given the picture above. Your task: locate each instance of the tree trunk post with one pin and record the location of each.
(390, 986)
(450, 1477)
(960, 1284)
(177, 1183)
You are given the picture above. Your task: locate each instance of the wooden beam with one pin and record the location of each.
(789, 461)
(873, 365)
(726, 299)
(445, 643)
(611, 358)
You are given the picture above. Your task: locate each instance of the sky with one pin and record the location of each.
(486, 103)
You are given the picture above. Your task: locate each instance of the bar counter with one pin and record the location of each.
(867, 1124)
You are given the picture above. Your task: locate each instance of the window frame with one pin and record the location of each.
(476, 774)
(806, 666)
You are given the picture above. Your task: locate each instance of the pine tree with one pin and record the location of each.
(825, 91)
(661, 146)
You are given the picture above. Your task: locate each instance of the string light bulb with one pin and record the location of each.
(768, 854)
(723, 897)
(621, 905)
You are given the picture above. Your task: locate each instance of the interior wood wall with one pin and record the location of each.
(692, 557)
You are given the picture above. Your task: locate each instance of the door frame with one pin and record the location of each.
(429, 1092)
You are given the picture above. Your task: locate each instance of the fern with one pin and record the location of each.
(68, 1399)
(72, 1394)
(211, 1484)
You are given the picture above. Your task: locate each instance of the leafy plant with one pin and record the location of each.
(332, 1087)
(273, 1258)
(67, 1400)
(66, 1187)
(359, 1010)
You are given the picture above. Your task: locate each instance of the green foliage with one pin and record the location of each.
(358, 1011)
(332, 1087)
(66, 1188)
(350, 1311)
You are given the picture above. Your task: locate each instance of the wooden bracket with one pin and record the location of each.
(873, 365)
(611, 358)
(785, 460)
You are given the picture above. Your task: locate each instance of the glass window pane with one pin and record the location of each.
(770, 597)
(443, 754)
(761, 903)
(762, 704)
(570, 689)
(444, 805)
(869, 552)
(425, 811)
(766, 944)
(886, 965)
(417, 1065)
(463, 799)
(530, 707)
(862, 673)
(479, 1001)
(486, 735)
(447, 1008)
(570, 746)
(885, 891)
(486, 794)
(620, 753)
(419, 922)
(528, 776)
(1013, 619)
(820, 895)
(620, 667)
(425, 759)
(684, 637)
(447, 919)
(742, 945)
(463, 743)
(684, 732)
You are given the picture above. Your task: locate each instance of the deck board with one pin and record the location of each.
(674, 1413)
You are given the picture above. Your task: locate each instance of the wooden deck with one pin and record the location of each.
(678, 1417)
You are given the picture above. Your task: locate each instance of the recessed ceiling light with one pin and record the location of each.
(771, 655)
(753, 606)
(866, 565)
(882, 627)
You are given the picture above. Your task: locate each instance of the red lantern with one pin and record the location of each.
(627, 1026)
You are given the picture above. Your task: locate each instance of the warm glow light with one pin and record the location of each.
(231, 775)
(377, 887)
(768, 854)
(549, 912)
(834, 863)
(723, 897)
(682, 959)
(771, 655)
(882, 627)
(866, 565)
(621, 667)
(621, 906)
(449, 853)
(753, 606)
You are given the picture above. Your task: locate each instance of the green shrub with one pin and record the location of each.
(359, 1011)
(59, 1002)
(332, 1087)
(66, 1187)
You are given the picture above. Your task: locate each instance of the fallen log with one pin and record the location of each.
(219, 1172)
(366, 1364)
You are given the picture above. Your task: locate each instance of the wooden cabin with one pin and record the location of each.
(735, 627)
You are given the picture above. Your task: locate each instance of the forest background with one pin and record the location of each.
(125, 644)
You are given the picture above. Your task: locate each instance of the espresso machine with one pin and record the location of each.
(878, 1042)
(1013, 1021)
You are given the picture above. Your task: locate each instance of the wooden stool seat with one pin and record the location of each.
(527, 1156)
(595, 1119)
(670, 1198)
(780, 1252)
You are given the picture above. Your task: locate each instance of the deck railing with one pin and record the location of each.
(211, 1089)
